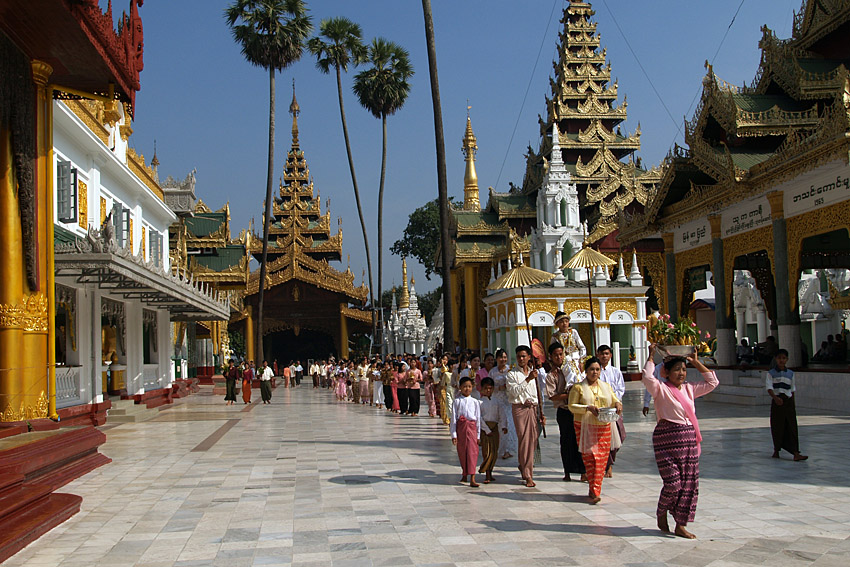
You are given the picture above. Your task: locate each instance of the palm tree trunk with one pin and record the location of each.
(258, 353)
(357, 199)
(442, 186)
(381, 206)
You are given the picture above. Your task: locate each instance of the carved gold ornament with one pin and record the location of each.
(23, 413)
(548, 305)
(83, 209)
(627, 305)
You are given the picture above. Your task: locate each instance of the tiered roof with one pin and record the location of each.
(742, 140)
(584, 107)
(300, 239)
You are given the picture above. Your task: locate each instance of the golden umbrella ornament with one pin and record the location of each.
(588, 258)
(521, 276)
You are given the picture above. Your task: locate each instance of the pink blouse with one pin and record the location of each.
(666, 406)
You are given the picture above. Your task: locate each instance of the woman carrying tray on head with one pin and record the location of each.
(587, 399)
(574, 349)
(677, 437)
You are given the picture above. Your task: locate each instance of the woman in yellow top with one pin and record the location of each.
(595, 437)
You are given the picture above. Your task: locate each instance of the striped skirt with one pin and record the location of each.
(677, 457)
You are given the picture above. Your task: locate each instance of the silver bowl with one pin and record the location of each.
(608, 415)
(676, 350)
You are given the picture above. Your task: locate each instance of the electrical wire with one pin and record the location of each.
(527, 89)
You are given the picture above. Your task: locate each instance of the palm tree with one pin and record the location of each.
(442, 184)
(382, 90)
(272, 34)
(339, 46)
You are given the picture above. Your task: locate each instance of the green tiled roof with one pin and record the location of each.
(224, 257)
(746, 158)
(760, 103)
(513, 202)
(818, 65)
(471, 218)
(62, 235)
(204, 224)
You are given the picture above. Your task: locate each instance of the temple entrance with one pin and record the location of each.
(285, 345)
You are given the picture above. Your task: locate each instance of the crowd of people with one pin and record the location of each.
(495, 408)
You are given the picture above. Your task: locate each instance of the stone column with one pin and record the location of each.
(787, 316)
(741, 322)
(762, 324)
(96, 377)
(725, 353)
(133, 343)
(670, 269)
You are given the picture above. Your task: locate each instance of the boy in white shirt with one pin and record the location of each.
(493, 419)
(466, 429)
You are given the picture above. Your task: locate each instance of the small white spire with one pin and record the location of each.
(635, 279)
(621, 272)
(492, 273)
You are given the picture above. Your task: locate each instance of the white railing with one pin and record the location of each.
(68, 386)
(150, 377)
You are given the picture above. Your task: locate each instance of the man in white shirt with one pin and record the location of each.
(522, 388)
(265, 383)
(314, 372)
(614, 378)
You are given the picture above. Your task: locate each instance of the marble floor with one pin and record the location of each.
(309, 481)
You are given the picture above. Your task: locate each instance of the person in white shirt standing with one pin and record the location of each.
(466, 429)
(266, 383)
(614, 378)
(522, 387)
(314, 373)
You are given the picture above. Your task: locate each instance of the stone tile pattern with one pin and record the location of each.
(308, 481)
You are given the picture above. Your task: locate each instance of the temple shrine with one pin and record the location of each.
(574, 186)
(760, 200)
(406, 331)
(311, 309)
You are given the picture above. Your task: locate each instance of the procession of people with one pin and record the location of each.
(494, 408)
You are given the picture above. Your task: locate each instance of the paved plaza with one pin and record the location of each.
(309, 481)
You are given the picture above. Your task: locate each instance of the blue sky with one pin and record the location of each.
(207, 108)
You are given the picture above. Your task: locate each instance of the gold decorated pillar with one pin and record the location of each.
(12, 290)
(455, 306)
(249, 333)
(470, 303)
(343, 333)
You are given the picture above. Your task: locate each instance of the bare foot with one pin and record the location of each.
(609, 473)
(799, 457)
(507, 455)
(488, 479)
(775, 455)
(474, 484)
(463, 479)
(682, 532)
(583, 478)
(567, 478)
(529, 483)
(595, 499)
(662, 524)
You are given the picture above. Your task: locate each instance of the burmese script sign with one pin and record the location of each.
(692, 235)
(745, 216)
(824, 186)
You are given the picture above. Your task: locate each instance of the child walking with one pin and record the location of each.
(493, 419)
(783, 414)
(466, 429)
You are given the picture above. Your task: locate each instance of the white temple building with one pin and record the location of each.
(406, 330)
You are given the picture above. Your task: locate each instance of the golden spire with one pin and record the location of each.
(404, 302)
(471, 201)
(294, 110)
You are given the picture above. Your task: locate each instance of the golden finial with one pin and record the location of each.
(294, 110)
(471, 200)
(404, 302)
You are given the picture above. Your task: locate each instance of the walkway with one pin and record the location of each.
(308, 481)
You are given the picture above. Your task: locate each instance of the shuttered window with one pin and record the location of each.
(66, 191)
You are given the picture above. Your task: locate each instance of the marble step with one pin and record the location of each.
(128, 411)
(739, 395)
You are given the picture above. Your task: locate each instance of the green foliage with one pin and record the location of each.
(237, 342)
(342, 48)
(428, 303)
(384, 87)
(272, 33)
(421, 237)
